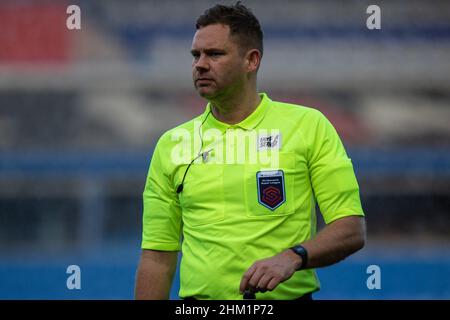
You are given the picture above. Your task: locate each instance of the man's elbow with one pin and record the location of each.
(359, 238)
(360, 243)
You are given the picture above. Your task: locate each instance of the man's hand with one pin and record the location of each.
(333, 243)
(265, 275)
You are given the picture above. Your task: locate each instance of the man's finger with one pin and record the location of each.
(254, 280)
(245, 278)
(273, 284)
(263, 283)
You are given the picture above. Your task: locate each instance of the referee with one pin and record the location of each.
(235, 189)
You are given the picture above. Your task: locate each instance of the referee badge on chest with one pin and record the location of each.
(271, 192)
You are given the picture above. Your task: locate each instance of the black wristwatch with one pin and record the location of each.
(301, 251)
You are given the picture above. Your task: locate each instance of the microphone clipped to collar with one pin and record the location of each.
(204, 155)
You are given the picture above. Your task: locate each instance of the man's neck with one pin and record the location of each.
(235, 109)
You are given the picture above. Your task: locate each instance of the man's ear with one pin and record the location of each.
(252, 60)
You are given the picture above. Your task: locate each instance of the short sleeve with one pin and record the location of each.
(332, 175)
(161, 226)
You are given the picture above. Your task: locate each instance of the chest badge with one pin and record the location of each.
(271, 192)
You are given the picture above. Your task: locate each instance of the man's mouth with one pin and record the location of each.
(203, 82)
(203, 79)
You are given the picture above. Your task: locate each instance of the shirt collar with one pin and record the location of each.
(248, 123)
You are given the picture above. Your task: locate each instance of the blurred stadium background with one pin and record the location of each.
(81, 110)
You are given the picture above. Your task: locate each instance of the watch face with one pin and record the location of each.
(299, 250)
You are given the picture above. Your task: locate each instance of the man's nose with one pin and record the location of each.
(201, 64)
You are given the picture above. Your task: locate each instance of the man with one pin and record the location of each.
(245, 226)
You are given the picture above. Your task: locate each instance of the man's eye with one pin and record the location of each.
(216, 54)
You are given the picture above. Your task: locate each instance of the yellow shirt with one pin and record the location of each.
(251, 195)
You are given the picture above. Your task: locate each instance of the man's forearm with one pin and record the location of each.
(155, 274)
(335, 242)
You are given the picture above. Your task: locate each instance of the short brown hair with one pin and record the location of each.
(242, 22)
